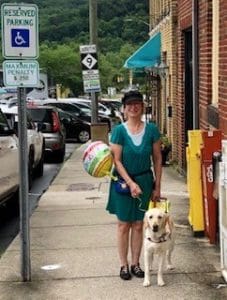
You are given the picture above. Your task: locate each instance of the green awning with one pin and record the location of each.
(146, 56)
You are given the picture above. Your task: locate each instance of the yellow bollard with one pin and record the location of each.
(194, 182)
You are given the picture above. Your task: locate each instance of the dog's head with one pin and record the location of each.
(156, 219)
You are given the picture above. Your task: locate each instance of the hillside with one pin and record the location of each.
(63, 21)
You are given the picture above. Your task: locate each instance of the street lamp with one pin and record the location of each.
(163, 69)
(137, 20)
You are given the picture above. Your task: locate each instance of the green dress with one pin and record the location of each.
(136, 160)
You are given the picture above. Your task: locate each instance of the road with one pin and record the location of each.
(9, 227)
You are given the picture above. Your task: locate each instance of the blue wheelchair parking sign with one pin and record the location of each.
(20, 37)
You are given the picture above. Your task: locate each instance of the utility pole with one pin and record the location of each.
(93, 41)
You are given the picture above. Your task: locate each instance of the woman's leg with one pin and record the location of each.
(136, 241)
(123, 241)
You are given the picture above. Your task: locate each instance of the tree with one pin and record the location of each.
(62, 64)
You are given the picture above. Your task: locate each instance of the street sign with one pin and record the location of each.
(91, 81)
(19, 30)
(21, 73)
(89, 62)
(90, 72)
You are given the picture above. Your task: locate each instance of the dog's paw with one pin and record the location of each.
(161, 283)
(170, 267)
(146, 283)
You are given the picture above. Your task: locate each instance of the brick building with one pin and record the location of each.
(201, 69)
(191, 93)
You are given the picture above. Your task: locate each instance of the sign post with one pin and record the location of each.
(24, 204)
(90, 74)
(20, 41)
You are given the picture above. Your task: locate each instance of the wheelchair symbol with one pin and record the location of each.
(19, 40)
(20, 37)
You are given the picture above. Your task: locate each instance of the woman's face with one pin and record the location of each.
(134, 109)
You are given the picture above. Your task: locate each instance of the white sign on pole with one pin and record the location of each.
(21, 73)
(19, 30)
(91, 81)
(90, 72)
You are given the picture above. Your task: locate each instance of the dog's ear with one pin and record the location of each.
(145, 222)
(168, 223)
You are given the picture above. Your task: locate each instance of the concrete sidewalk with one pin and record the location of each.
(74, 253)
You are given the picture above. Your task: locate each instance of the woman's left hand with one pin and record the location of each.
(156, 195)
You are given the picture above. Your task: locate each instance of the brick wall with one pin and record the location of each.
(223, 68)
(184, 22)
(205, 60)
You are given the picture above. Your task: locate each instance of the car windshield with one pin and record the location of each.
(40, 115)
(84, 107)
(85, 110)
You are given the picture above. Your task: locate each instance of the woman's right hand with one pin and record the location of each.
(134, 189)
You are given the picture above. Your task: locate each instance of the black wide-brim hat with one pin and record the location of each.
(132, 96)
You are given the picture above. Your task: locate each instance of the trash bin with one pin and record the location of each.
(194, 182)
(100, 132)
(211, 144)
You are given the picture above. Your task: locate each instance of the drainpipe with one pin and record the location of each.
(195, 69)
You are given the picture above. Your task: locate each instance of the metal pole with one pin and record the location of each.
(93, 40)
(24, 204)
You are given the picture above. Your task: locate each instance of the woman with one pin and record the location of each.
(133, 143)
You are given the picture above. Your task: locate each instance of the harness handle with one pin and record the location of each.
(163, 200)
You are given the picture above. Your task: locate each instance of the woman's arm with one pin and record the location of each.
(157, 161)
(117, 152)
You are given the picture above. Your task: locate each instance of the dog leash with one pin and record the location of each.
(163, 203)
(140, 204)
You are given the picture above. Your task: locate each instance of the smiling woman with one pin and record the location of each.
(132, 144)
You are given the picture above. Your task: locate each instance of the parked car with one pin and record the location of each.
(9, 175)
(79, 112)
(53, 130)
(36, 142)
(113, 111)
(114, 106)
(102, 109)
(111, 103)
(75, 127)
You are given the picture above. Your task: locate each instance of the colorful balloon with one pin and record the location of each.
(98, 159)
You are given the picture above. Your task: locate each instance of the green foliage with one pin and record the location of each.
(64, 25)
(62, 64)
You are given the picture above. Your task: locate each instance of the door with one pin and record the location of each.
(188, 89)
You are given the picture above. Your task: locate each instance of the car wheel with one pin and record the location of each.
(59, 155)
(13, 205)
(83, 136)
(39, 167)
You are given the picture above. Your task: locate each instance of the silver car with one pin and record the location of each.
(53, 130)
(9, 179)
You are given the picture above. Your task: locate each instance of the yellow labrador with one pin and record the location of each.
(158, 239)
